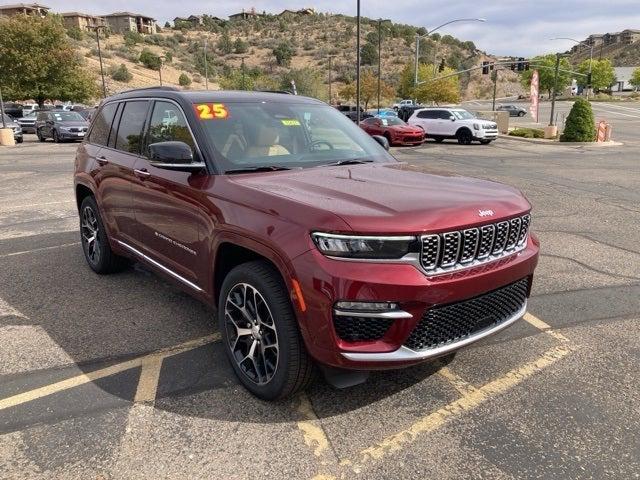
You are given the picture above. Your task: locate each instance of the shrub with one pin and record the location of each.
(225, 45)
(75, 33)
(150, 59)
(240, 46)
(168, 57)
(132, 38)
(121, 73)
(580, 125)
(527, 133)
(283, 54)
(184, 80)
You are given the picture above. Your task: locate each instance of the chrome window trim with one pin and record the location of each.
(403, 353)
(160, 266)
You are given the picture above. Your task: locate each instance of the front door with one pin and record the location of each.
(169, 205)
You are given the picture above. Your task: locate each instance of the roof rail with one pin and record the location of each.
(286, 92)
(163, 87)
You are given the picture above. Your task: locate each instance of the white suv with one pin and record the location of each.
(441, 123)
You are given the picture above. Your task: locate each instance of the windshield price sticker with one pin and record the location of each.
(291, 122)
(211, 111)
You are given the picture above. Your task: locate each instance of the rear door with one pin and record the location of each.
(115, 163)
(428, 121)
(168, 203)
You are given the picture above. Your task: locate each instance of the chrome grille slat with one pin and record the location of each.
(455, 250)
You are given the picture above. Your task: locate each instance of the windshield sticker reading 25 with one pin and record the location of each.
(211, 111)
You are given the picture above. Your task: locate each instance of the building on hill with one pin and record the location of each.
(244, 15)
(595, 40)
(82, 21)
(302, 11)
(121, 22)
(24, 9)
(629, 36)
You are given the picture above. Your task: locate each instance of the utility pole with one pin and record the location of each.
(555, 86)
(160, 70)
(495, 85)
(330, 79)
(206, 67)
(97, 28)
(379, 58)
(4, 123)
(358, 64)
(415, 70)
(242, 67)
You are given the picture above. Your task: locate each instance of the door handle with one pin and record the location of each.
(102, 160)
(142, 173)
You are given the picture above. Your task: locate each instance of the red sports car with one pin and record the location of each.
(397, 131)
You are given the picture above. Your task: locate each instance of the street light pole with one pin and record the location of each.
(160, 71)
(206, 67)
(242, 67)
(418, 37)
(590, 55)
(358, 63)
(330, 79)
(379, 58)
(4, 123)
(555, 86)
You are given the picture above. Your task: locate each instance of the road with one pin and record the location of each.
(623, 116)
(122, 376)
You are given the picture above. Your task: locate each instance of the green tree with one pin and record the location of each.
(150, 59)
(309, 82)
(168, 57)
(635, 78)
(225, 45)
(580, 124)
(184, 80)
(369, 54)
(546, 65)
(348, 92)
(283, 54)
(446, 90)
(37, 62)
(132, 38)
(602, 74)
(240, 46)
(121, 73)
(369, 89)
(75, 33)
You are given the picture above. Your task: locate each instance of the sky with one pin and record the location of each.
(512, 27)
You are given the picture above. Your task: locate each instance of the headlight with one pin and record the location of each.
(17, 129)
(64, 129)
(476, 126)
(367, 247)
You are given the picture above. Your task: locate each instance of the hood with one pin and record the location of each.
(73, 124)
(390, 197)
(405, 128)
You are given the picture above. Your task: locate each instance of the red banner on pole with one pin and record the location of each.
(535, 95)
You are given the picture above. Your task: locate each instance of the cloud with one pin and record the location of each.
(516, 27)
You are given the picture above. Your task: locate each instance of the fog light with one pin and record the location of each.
(367, 306)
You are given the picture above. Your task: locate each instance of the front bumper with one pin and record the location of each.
(326, 281)
(485, 134)
(71, 135)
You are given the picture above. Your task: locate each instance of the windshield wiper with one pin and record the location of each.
(267, 168)
(353, 161)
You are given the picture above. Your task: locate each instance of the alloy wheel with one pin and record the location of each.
(251, 333)
(90, 239)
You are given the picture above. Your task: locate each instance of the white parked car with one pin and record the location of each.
(441, 123)
(402, 103)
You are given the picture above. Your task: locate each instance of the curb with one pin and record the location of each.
(541, 141)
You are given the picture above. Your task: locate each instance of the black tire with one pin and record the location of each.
(464, 136)
(20, 140)
(294, 369)
(39, 135)
(56, 137)
(485, 142)
(438, 139)
(387, 135)
(98, 255)
(521, 114)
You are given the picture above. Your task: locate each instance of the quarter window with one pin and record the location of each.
(168, 124)
(102, 124)
(131, 124)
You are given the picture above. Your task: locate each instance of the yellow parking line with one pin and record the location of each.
(311, 429)
(104, 372)
(545, 327)
(148, 382)
(459, 383)
(456, 408)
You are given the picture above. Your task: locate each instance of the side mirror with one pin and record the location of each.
(384, 143)
(452, 118)
(173, 156)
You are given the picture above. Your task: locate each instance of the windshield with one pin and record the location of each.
(67, 117)
(462, 114)
(7, 119)
(387, 121)
(288, 135)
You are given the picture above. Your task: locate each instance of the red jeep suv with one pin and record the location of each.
(313, 244)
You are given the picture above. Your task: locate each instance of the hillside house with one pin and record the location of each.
(23, 9)
(82, 21)
(121, 22)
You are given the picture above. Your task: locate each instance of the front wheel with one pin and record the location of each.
(56, 137)
(95, 243)
(464, 137)
(39, 135)
(521, 114)
(19, 140)
(260, 332)
(438, 139)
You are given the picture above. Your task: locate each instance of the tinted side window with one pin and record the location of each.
(102, 124)
(168, 124)
(427, 114)
(130, 129)
(444, 115)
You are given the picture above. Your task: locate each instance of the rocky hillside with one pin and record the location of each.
(312, 39)
(619, 54)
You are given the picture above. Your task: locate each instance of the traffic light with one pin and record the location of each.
(520, 64)
(442, 65)
(485, 67)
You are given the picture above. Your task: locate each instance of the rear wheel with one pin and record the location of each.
(464, 137)
(521, 114)
(19, 140)
(260, 332)
(95, 242)
(39, 135)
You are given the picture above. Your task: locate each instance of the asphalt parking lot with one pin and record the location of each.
(123, 376)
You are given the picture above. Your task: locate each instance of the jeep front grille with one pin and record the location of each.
(450, 251)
